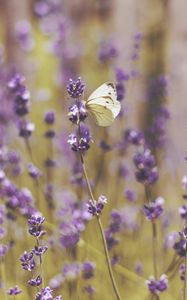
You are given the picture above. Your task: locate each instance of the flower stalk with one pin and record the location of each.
(102, 233)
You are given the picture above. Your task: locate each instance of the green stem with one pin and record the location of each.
(154, 245)
(102, 233)
(154, 235)
(3, 278)
(41, 268)
(108, 259)
(28, 147)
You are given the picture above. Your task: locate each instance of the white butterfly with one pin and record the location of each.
(103, 104)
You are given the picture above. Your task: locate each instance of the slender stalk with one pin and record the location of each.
(41, 268)
(28, 147)
(154, 236)
(3, 278)
(108, 259)
(102, 233)
(154, 244)
(36, 181)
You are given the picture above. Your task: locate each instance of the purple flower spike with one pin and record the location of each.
(36, 220)
(39, 250)
(162, 283)
(184, 182)
(70, 239)
(35, 226)
(121, 75)
(130, 195)
(3, 250)
(26, 128)
(27, 261)
(46, 293)
(83, 142)
(49, 117)
(107, 51)
(14, 291)
(154, 209)
(156, 286)
(77, 112)
(183, 211)
(75, 88)
(33, 171)
(134, 137)
(15, 82)
(182, 272)
(71, 271)
(120, 88)
(20, 95)
(35, 282)
(180, 247)
(147, 172)
(88, 269)
(95, 208)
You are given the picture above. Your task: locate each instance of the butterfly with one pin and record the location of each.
(103, 105)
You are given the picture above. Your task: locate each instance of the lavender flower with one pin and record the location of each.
(134, 137)
(3, 250)
(47, 294)
(39, 250)
(42, 8)
(77, 112)
(182, 272)
(81, 140)
(33, 171)
(88, 269)
(154, 209)
(72, 271)
(15, 82)
(146, 164)
(75, 88)
(35, 226)
(14, 291)
(136, 47)
(27, 261)
(110, 239)
(180, 245)
(50, 134)
(130, 195)
(115, 221)
(95, 208)
(23, 35)
(49, 117)
(70, 237)
(107, 51)
(35, 281)
(20, 95)
(26, 128)
(184, 182)
(156, 286)
(121, 75)
(121, 91)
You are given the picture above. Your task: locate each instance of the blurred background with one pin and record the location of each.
(51, 41)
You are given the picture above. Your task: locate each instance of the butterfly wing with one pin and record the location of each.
(101, 115)
(103, 104)
(107, 89)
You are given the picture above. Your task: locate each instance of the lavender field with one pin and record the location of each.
(93, 150)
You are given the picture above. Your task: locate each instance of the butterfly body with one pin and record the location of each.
(103, 105)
